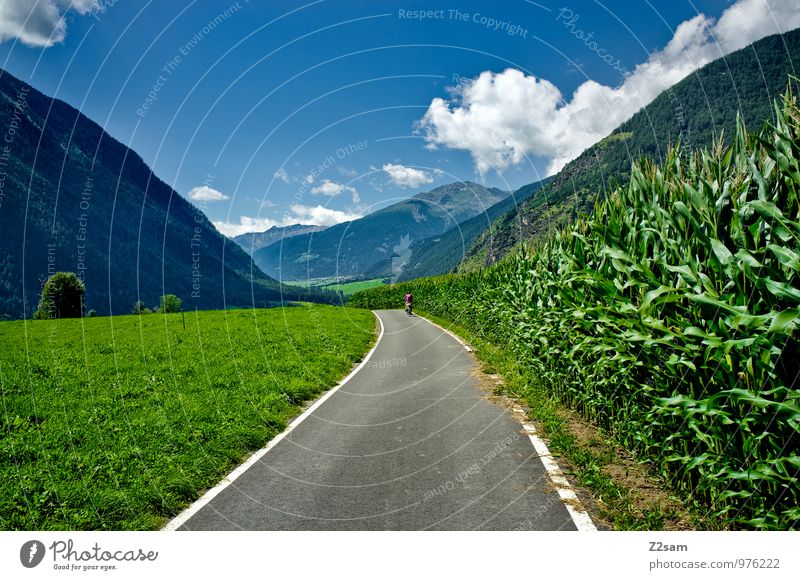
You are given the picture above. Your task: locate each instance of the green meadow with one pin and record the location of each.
(336, 284)
(348, 288)
(121, 422)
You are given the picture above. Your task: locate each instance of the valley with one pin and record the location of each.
(212, 217)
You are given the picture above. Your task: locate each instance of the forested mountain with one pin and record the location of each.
(252, 241)
(696, 110)
(379, 243)
(444, 253)
(73, 198)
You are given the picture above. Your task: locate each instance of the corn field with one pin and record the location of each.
(669, 317)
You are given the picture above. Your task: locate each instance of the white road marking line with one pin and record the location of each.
(579, 515)
(576, 510)
(457, 338)
(184, 516)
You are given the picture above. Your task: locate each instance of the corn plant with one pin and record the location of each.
(669, 316)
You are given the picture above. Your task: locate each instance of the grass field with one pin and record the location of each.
(353, 287)
(346, 288)
(119, 423)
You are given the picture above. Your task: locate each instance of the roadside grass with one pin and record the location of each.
(624, 494)
(119, 423)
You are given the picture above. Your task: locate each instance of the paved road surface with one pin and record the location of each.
(409, 443)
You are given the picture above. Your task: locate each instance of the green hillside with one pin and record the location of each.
(253, 241)
(365, 247)
(444, 253)
(702, 106)
(75, 199)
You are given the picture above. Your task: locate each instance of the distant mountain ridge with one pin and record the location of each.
(444, 253)
(353, 249)
(73, 198)
(702, 105)
(253, 241)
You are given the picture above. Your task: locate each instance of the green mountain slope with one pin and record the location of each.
(355, 249)
(73, 198)
(696, 110)
(253, 241)
(444, 253)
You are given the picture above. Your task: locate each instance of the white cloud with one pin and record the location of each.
(205, 193)
(299, 214)
(82, 6)
(407, 176)
(329, 188)
(501, 118)
(308, 179)
(322, 216)
(38, 23)
(283, 175)
(246, 224)
(346, 171)
(332, 189)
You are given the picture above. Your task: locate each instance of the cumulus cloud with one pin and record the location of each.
(322, 216)
(205, 193)
(406, 176)
(329, 188)
(246, 225)
(299, 214)
(39, 23)
(501, 118)
(332, 189)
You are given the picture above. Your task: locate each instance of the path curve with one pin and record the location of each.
(408, 442)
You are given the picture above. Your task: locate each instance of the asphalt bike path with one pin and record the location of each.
(409, 442)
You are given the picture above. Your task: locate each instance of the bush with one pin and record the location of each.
(62, 297)
(170, 303)
(92, 313)
(139, 307)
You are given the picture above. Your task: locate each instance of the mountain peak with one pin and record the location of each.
(253, 241)
(354, 248)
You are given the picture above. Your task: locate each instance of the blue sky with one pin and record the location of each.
(323, 111)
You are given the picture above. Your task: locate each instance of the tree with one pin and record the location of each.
(92, 313)
(169, 303)
(139, 307)
(62, 297)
